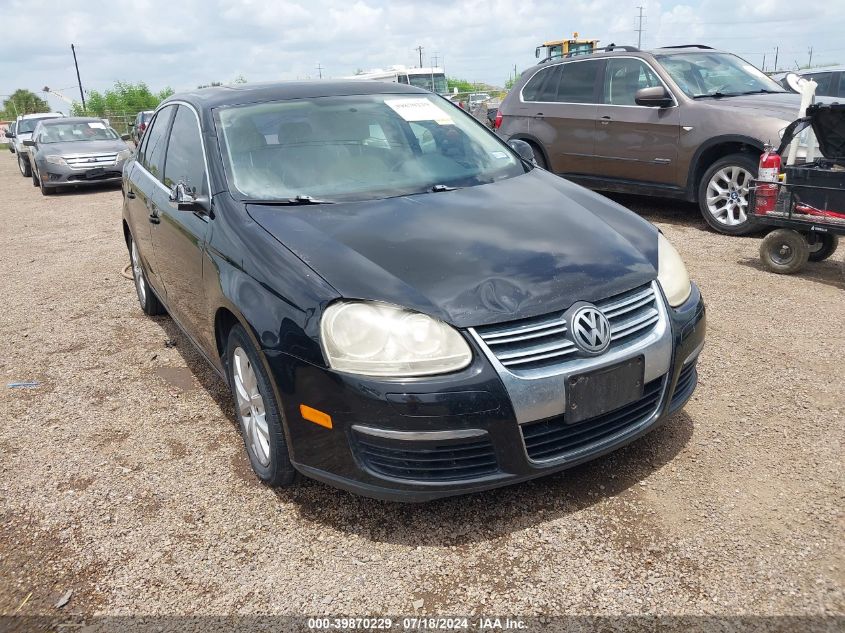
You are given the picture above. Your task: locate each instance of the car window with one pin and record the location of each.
(841, 85)
(76, 132)
(358, 147)
(151, 154)
(623, 77)
(185, 161)
(716, 75)
(578, 81)
(824, 80)
(535, 89)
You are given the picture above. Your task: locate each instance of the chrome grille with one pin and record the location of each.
(541, 341)
(90, 161)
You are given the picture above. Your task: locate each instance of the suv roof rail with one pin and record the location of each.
(710, 48)
(609, 47)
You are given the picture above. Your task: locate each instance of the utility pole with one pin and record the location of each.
(776, 59)
(640, 28)
(810, 64)
(420, 50)
(436, 58)
(78, 80)
(320, 70)
(764, 63)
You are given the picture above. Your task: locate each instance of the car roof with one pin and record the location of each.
(206, 99)
(72, 119)
(41, 115)
(820, 69)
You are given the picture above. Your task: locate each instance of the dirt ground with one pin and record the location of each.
(123, 477)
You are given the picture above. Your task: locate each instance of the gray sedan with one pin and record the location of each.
(76, 151)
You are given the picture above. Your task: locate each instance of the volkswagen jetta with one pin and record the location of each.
(403, 305)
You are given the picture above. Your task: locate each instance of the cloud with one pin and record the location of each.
(183, 44)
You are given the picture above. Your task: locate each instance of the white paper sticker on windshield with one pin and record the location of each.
(418, 110)
(97, 125)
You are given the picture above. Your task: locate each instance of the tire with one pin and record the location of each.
(723, 194)
(538, 156)
(257, 411)
(34, 179)
(24, 166)
(784, 251)
(822, 245)
(45, 191)
(146, 295)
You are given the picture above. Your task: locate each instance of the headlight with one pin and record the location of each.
(55, 160)
(377, 339)
(671, 273)
(123, 155)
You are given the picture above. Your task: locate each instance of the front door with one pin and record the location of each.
(635, 143)
(179, 237)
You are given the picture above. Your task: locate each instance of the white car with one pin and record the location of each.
(24, 126)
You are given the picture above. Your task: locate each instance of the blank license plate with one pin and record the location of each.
(95, 173)
(604, 390)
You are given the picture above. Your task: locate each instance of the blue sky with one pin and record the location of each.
(182, 43)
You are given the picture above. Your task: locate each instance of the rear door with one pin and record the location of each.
(144, 191)
(633, 142)
(565, 105)
(179, 237)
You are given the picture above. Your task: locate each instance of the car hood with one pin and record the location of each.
(779, 106)
(82, 147)
(497, 252)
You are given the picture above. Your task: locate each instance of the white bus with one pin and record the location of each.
(433, 78)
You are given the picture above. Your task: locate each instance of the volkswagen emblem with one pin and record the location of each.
(590, 329)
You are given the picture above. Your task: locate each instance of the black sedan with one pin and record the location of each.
(403, 305)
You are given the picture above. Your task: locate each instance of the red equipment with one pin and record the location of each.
(767, 172)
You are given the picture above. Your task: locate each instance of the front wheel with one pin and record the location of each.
(822, 245)
(257, 411)
(784, 251)
(538, 157)
(724, 193)
(23, 165)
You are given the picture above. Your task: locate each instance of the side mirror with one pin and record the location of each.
(187, 200)
(29, 143)
(524, 150)
(10, 135)
(125, 137)
(656, 96)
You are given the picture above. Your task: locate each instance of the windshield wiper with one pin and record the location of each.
(439, 188)
(764, 91)
(715, 95)
(296, 200)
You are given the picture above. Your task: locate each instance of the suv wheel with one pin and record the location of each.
(538, 157)
(724, 192)
(23, 165)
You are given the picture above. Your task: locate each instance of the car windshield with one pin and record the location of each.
(358, 147)
(25, 126)
(716, 75)
(71, 132)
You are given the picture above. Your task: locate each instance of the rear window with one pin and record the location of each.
(578, 83)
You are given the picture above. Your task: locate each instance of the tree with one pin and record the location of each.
(124, 97)
(461, 84)
(510, 82)
(23, 101)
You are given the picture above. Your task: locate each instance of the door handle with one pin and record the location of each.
(539, 114)
(605, 120)
(154, 216)
(130, 194)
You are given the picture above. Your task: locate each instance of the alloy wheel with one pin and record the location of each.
(727, 195)
(251, 406)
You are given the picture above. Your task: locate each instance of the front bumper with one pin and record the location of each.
(53, 175)
(425, 438)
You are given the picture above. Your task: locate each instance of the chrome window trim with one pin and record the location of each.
(419, 435)
(202, 143)
(675, 103)
(537, 394)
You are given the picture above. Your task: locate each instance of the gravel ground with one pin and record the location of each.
(123, 477)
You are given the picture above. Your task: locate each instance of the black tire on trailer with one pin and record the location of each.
(784, 251)
(822, 245)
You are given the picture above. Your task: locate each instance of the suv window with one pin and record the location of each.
(151, 154)
(623, 77)
(824, 80)
(578, 81)
(185, 160)
(543, 85)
